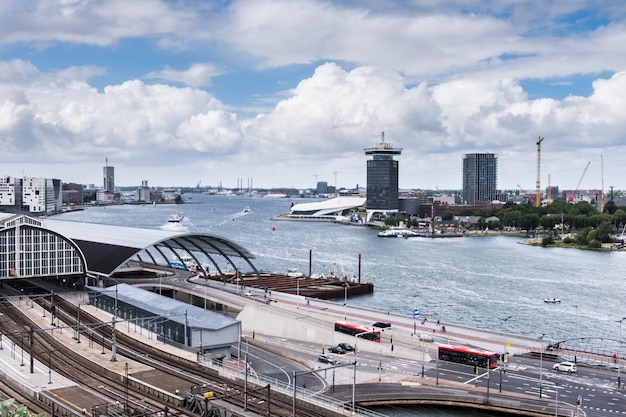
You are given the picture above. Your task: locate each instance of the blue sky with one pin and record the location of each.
(281, 92)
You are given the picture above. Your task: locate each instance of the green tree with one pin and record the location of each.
(605, 230)
(530, 221)
(7, 409)
(610, 207)
(511, 218)
(581, 236)
(447, 215)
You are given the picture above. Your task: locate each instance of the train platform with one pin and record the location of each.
(15, 360)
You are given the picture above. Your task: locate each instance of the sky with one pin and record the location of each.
(286, 93)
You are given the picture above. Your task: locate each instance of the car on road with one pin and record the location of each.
(568, 367)
(382, 324)
(337, 349)
(346, 346)
(326, 358)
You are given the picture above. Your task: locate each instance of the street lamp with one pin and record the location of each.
(502, 368)
(619, 352)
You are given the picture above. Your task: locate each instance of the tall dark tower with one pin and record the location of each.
(480, 177)
(382, 177)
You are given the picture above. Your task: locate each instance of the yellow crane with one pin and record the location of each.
(538, 190)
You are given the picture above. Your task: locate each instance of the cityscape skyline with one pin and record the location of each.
(185, 93)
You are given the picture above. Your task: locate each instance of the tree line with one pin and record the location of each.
(582, 222)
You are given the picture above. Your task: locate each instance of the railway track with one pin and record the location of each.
(262, 400)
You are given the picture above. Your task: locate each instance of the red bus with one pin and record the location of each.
(354, 329)
(469, 356)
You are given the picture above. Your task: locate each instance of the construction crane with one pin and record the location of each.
(538, 189)
(572, 196)
(529, 196)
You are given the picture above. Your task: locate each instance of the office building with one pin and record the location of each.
(109, 178)
(479, 178)
(382, 180)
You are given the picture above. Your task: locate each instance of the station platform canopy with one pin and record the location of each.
(102, 249)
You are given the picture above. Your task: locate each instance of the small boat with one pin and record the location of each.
(552, 300)
(247, 210)
(397, 232)
(294, 273)
(176, 218)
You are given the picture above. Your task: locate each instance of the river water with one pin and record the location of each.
(472, 281)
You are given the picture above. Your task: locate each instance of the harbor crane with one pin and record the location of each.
(575, 194)
(538, 189)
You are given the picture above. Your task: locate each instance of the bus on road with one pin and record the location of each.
(358, 330)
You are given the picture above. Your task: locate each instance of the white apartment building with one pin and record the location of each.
(10, 191)
(33, 194)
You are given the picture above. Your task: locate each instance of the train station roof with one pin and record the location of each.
(107, 248)
(177, 311)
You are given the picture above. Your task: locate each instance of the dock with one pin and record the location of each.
(321, 288)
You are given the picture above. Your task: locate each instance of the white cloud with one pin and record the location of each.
(197, 75)
(440, 81)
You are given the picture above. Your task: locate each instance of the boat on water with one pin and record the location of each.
(552, 300)
(397, 232)
(247, 210)
(294, 273)
(176, 217)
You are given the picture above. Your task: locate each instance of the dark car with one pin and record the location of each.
(382, 324)
(346, 346)
(337, 349)
(327, 359)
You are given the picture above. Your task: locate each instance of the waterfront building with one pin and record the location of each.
(73, 193)
(322, 188)
(41, 195)
(108, 173)
(382, 180)
(142, 193)
(480, 174)
(10, 194)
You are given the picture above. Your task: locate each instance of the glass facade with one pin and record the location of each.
(382, 183)
(480, 175)
(27, 251)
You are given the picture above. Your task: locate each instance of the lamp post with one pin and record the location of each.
(619, 352)
(502, 368)
(345, 301)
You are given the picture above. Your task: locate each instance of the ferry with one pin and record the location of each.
(397, 232)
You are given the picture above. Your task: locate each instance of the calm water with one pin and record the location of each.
(469, 281)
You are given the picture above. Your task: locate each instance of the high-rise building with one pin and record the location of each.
(322, 187)
(109, 178)
(480, 175)
(382, 178)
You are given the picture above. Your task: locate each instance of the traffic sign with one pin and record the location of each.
(416, 313)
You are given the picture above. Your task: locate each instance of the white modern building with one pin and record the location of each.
(36, 195)
(335, 209)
